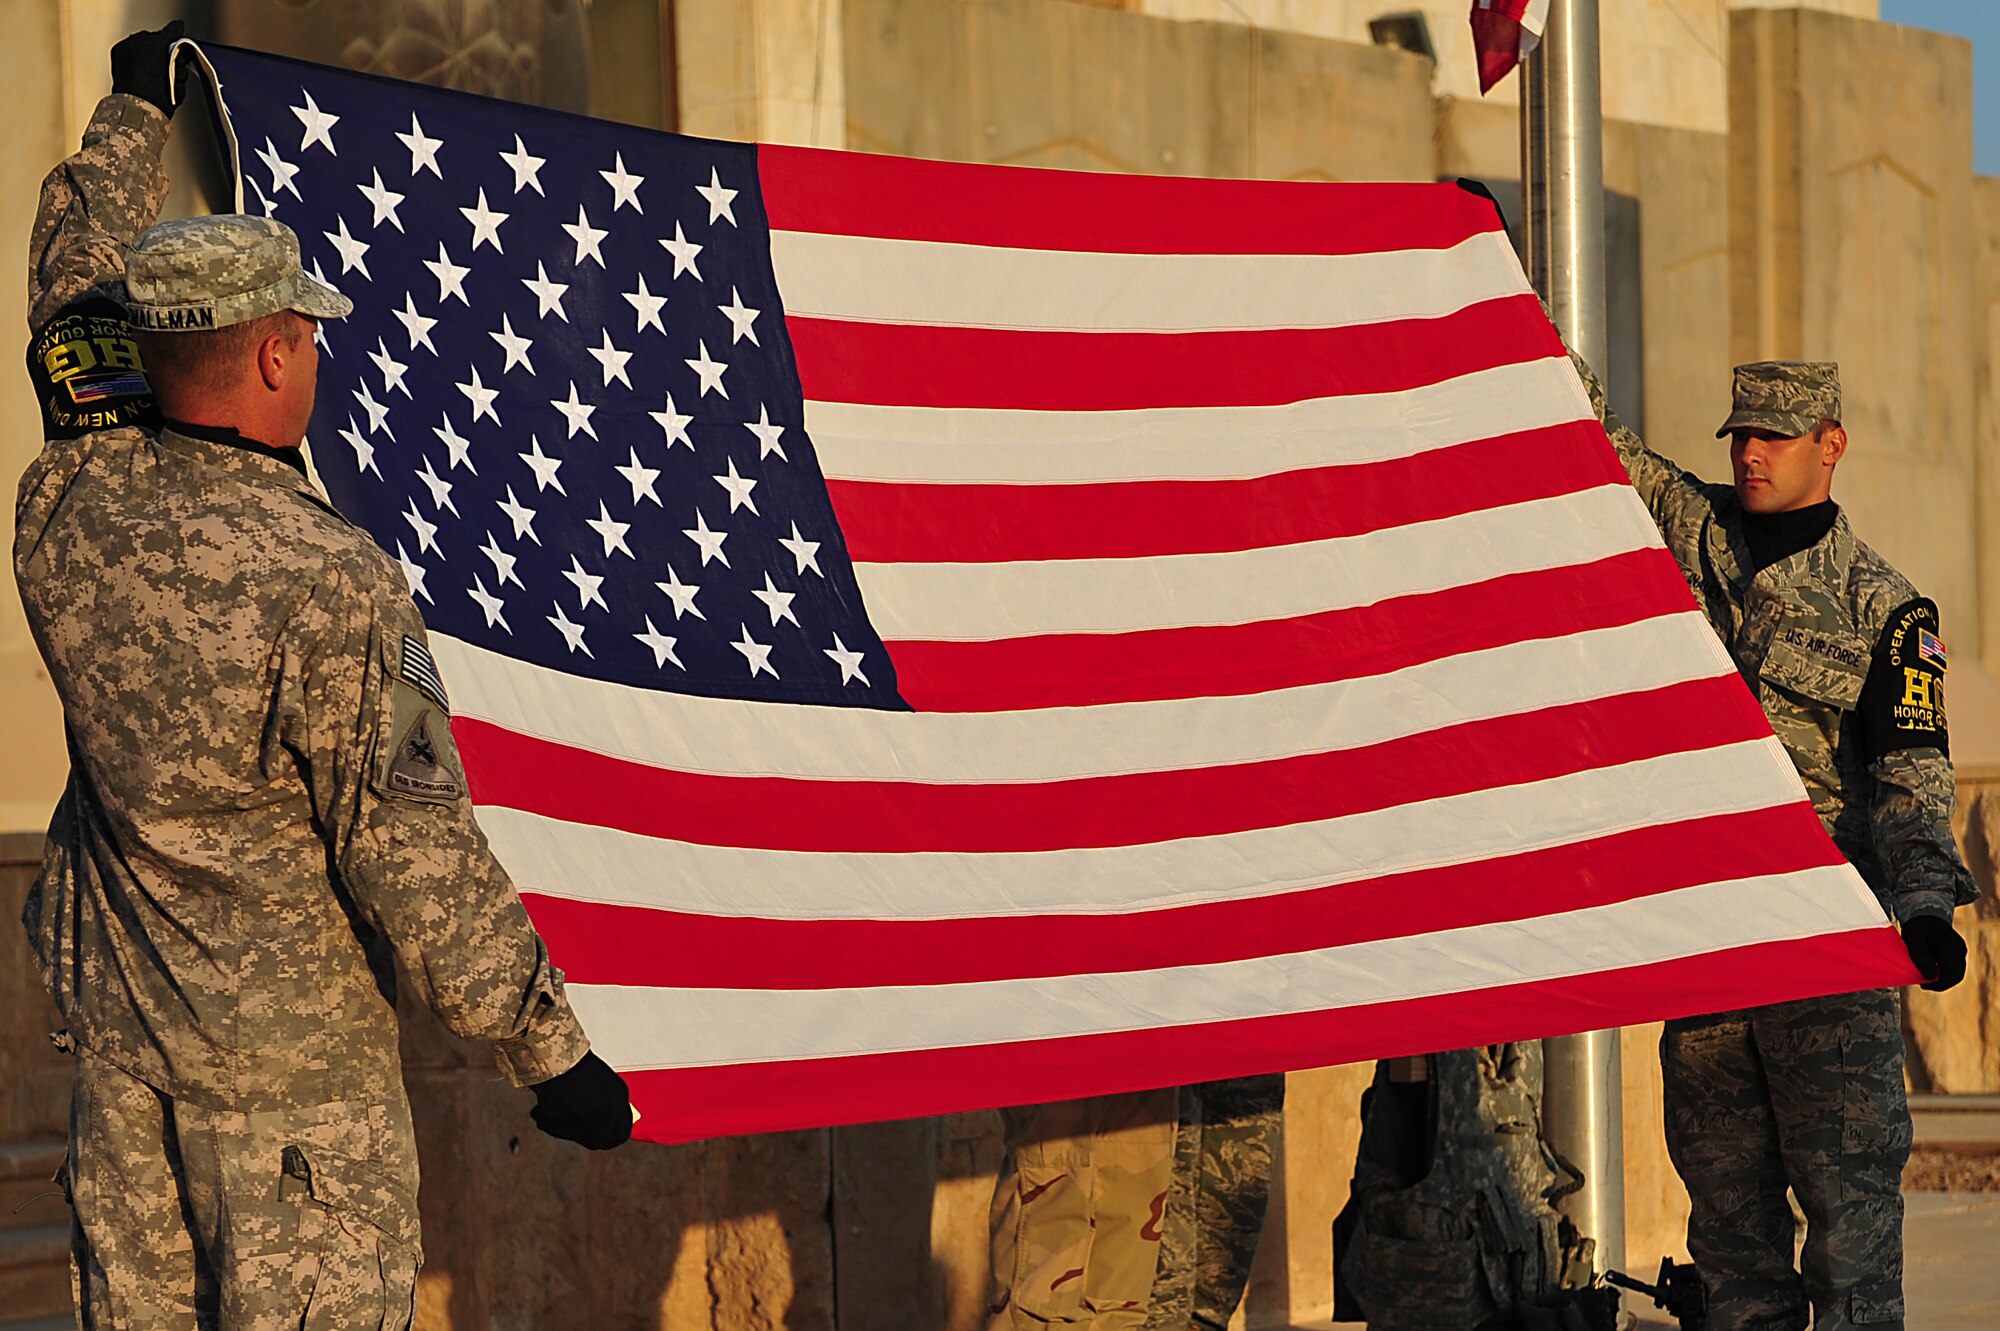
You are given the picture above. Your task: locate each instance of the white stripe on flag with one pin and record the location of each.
(587, 863)
(730, 737)
(981, 286)
(966, 445)
(983, 602)
(661, 1028)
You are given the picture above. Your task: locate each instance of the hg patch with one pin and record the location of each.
(1902, 706)
(422, 763)
(88, 375)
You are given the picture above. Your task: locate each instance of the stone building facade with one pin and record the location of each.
(1792, 179)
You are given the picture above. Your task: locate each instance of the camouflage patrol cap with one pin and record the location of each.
(1786, 397)
(197, 273)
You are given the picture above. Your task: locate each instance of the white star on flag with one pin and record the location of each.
(382, 201)
(457, 446)
(542, 465)
(423, 149)
(520, 515)
(413, 574)
(849, 662)
(283, 171)
(503, 563)
(674, 424)
(804, 551)
(480, 396)
(364, 452)
(756, 653)
(611, 532)
(720, 200)
(485, 224)
(439, 487)
(426, 530)
(767, 435)
(589, 240)
(378, 413)
(739, 489)
(450, 277)
(392, 369)
(416, 325)
(514, 345)
(351, 250)
(682, 594)
(587, 586)
(647, 306)
(489, 605)
(611, 360)
(740, 317)
(624, 185)
(572, 633)
(525, 166)
(710, 542)
(709, 370)
(777, 602)
(548, 295)
(661, 644)
(683, 251)
(640, 477)
(319, 125)
(576, 413)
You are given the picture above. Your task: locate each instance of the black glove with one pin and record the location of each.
(588, 1105)
(142, 65)
(1937, 950)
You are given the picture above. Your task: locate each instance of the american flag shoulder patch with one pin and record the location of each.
(420, 671)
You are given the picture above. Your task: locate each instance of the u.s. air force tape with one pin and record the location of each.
(421, 671)
(1902, 704)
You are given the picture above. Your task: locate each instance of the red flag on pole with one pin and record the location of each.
(1504, 32)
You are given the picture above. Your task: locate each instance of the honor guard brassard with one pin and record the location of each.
(87, 372)
(1902, 704)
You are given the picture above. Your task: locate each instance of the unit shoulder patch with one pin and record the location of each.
(1902, 705)
(87, 373)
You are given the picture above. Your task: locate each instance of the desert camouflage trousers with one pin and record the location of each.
(188, 1218)
(1222, 1185)
(1077, 1211)
(1807, 1095)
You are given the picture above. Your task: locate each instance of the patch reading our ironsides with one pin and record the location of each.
(421, 671)
(419, 766)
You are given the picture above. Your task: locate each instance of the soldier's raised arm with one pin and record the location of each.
(82, 359)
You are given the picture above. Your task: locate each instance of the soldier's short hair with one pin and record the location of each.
(212, 360)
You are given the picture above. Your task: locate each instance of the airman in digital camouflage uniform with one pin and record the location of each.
(1226, 1134)
(1849, 663)
(264, 809)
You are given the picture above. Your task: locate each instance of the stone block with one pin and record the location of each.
(1050, 83)
(1851, 240)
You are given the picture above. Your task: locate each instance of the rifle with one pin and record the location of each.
(1678, 1289)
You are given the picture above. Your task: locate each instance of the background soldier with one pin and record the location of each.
(1227, 1132)
(1848, 662)
(265, 809)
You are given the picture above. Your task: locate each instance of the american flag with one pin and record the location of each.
(1504, 33)
(930, 636)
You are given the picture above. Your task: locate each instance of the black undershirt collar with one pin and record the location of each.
(230, 437)
(1775, 536)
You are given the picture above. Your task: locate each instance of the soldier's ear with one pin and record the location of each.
(1832, 444)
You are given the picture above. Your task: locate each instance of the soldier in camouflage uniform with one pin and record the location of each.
(1848, 662)
(264, 811)
(1227, 1133)
(1077, 1211)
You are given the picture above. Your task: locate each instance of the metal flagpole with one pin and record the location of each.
(1562, 184)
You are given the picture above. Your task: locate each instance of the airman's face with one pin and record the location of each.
(1775, 474)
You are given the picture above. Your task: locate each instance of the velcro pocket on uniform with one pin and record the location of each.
(1826, 666)
(354, 1189)
(1871, 1305)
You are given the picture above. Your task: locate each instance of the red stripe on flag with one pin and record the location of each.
(681, 1104)
(893, 523)
(915, 365)
(1089, 669)
(901, 198)
(575, 785)
(634, 945)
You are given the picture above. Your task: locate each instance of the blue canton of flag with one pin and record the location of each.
(566, 401)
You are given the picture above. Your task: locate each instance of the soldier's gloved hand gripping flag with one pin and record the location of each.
(924, 633)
